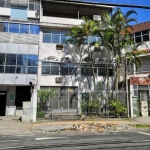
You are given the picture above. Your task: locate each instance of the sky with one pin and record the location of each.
(143, 14)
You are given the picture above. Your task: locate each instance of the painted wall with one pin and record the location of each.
(11, 93)
(5, 11)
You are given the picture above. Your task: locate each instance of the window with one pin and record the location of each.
(33, 6)
(135, 90)
(20, 63)
(142, 36)
(5, 3)
(18, 12)
(58, 68)
(21, 28)
(54, 37)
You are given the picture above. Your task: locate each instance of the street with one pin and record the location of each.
(139, 140)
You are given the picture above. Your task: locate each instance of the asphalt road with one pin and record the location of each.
(113, 141)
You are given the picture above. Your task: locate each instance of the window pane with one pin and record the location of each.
(46, 63)
(14, 28)
(102, 72)
(145, 32)
(37, 6)
(11, 59)
(22, 60)
(54, 64)
(138, 39)
(45, 69)
(24, 28)
(145, 37)
(63, 69)
(54, 70)
(135, 93)
(91, 71)
(138, 34)
(34, 29)
(72, 70)
(55, 38)
(5, 27)
(1, 69)
(32, 60)
(32, 70)
(46, 38)
(21, 70)
(31, 6)
(2, 59)
(10, 69)
(84, 71)
(7, 5)
(2, 3)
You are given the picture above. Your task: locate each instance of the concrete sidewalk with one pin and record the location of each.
(142, 120)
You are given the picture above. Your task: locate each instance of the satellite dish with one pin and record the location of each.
(1, 27)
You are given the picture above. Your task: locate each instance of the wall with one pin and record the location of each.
(59, 22)
(5, 11)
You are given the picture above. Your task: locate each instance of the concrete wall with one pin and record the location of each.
(57, 22)
(5, 11)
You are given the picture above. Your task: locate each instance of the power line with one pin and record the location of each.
(108, 4)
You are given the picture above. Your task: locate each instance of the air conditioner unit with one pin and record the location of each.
(58, 79)
(97, 17)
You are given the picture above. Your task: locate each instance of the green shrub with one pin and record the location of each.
(118, 108)
(40, 114)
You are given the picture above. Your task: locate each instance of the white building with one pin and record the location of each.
(56, 19)
(139, 79)
(19, 40)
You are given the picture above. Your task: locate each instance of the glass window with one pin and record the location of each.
(145, 37)
(145, 32)
(46, 38)
(5, 27)
(10, 69)
(14, 28)
(22, 60)
(2, 59)
(31, 6)
(138, 34)
(102, 72)
(138, 39)
(45, 69)
(46, 63)
(32, 70)
(24, 28)
(21, 70)
(37, 6)
(1, 69)
(54, 70)
(7, 5)
(32, 60)
(63, 69)
(34, 29)
(11, 59)
(85, 71)
(2, 3)
(55, 38)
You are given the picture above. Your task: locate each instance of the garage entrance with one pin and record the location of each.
(2, 103)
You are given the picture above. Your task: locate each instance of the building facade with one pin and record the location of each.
(19, 45)
(139, 79)
(33, 50)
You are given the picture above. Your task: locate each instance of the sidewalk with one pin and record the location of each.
(12, 126)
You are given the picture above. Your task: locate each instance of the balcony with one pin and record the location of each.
(59, 22)
(19, 38)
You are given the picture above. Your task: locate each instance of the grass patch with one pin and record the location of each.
(140, 125)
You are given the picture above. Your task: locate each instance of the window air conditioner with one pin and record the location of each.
(97, 17)
(58, 79)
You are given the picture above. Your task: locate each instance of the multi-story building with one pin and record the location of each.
(29, 53)
(19, 44)
(58, 62)
(139, 85)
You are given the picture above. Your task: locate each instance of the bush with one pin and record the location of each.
(40, 114)
(118, 108)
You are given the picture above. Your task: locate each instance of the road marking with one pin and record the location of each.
(146, 140)
(144, 133)
(49, 138)
(12, 147)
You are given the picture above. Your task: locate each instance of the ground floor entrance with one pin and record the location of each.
(2, 103)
